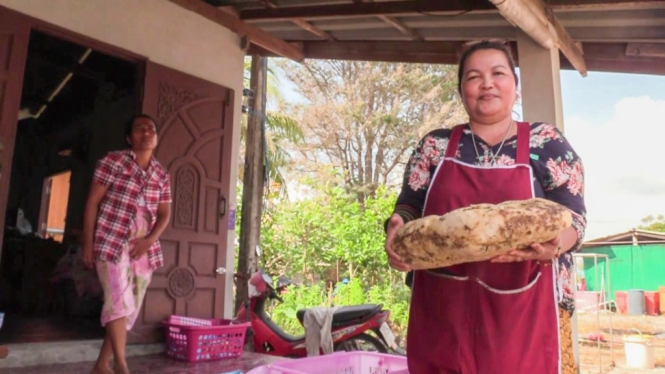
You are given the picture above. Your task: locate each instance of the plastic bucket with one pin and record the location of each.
(652, 301)
(587, 300)
(621, 298)
(639, 351)
(636, 303)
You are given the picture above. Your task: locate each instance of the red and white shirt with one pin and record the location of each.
(129, 187)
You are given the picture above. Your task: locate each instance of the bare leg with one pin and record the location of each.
(117, 331)
(102, 366)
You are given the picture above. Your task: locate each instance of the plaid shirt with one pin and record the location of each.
(127, 185)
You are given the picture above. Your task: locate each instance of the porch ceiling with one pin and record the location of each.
(616, 35)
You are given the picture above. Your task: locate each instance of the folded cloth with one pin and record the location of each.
(318, 324)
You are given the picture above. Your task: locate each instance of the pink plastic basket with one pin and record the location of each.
(339, 363)
(195, 339)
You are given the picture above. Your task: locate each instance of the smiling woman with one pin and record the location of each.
(490, 160)
(487, 106)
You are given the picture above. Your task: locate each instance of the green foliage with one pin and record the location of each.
(652, 223)
(320, 240)
(329, 236)
(393, 297)
(349, 294)
(296, 298)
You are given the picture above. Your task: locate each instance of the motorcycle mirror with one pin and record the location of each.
(267, 279)
(258, 250)
(283, 281)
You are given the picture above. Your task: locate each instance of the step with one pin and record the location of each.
(33, 354)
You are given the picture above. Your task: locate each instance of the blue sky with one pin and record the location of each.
(616, 123)
(591, 96)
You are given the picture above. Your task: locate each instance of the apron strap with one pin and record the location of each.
(453, 142)
(523, 139)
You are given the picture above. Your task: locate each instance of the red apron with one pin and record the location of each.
(482, 317)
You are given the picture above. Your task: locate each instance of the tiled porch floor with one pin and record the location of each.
(159, 364)
(25, 329)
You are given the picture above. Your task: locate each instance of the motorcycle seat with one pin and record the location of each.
(348, 314)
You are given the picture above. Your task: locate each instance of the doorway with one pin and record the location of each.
(74, 105)
(53, 209)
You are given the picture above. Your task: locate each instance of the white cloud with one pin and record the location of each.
(623, 160)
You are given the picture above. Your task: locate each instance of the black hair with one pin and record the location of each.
(129, 126)
(484, 45)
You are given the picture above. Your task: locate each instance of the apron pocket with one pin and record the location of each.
(510, 291)
(448, 276)
(517, 329)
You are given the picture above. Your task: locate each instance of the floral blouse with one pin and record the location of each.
(557, 169)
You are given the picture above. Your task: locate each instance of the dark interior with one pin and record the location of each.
(74, 106)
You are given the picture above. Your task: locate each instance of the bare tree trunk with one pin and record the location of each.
(304, 258)
(253, 181)
(337, 269)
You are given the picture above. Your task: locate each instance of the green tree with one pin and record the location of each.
(329, 236)
(652, 223)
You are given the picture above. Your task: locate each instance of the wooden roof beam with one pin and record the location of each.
(366, 9)
(435, 52)
(541, 25)
(313, 29)
(243, 29)
(609, 57)
(301, 23)
(394, 22)
(399, 25)
(646, 49)
(410, 7)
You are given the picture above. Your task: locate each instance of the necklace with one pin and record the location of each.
(480, 159)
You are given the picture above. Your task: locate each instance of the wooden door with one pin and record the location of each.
(195, 128)
(14, 38)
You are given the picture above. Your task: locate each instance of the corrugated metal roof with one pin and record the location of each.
(640, 236)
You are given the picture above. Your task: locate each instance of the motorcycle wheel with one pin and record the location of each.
(361, 342)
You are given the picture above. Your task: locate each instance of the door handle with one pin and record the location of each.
(222, 207)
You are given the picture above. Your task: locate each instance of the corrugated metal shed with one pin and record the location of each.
(636, 261)
(631, 267)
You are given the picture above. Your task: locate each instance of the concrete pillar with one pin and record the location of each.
(541, 83)
(541, 102)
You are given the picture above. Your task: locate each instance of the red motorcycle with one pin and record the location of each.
(350, 326)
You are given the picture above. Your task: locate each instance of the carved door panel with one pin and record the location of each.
(195, 128)
(14, 38)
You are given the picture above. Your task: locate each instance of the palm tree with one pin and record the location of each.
(280, 128)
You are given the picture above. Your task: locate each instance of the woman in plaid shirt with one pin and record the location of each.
(127, 210)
